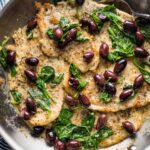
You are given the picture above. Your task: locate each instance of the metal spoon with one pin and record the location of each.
(139, 8)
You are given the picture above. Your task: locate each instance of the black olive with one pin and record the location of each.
(138, 82)
(111, 76)
(129, 127)
(58, 33)
(88, 56)
(120, 66)
(104, 50)
(130, 26)
(30, 105)
(50, 137)
(73, 82)
(139, 37)
(11, 57)
(30, 75)
(59, 145)
(32, 24)
(25, 114)
(71, 101)
(32, 61)
(99, 80)
(85, 22)
(110, 88)
(92, 27)
(63, 44)
(71, 35)
(103, 18)
(84, 100)
(125, 94)
(101, 122)
(37, 131)
(141, 52)
(73, 145)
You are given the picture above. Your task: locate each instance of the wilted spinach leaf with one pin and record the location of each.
(3, 58)
(65, 130)
(105, 97)
(65, 24)
(16, 97)
(123, 46)
(47, 73)
(80, 38)
(75, 72)
(110, 12)
(50, 33)
(142, 69)
(88, 120)
(42, 101)
(57, 80)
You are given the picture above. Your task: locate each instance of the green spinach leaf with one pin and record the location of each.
(105, 97)
(65, 24)
(42, 101)
(123, 46)
(16, 97)
(80, 38)
(47, 73)
(75, 72)
(88, 120)
(50, 33)
(142, 69)
(42, 86)
(3, 58)
(57, 80)
(65, 130)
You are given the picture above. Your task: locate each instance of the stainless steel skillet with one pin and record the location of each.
(12, 128)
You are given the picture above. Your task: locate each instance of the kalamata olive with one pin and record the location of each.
(80, 2)
(140, 52)
(103, 18)
(72, 34)
(71, 101)
(101, 122)
(110, 88)
(25, 114)
(30, 105)
(11, 57)
(63, 44)
(138, 82)
(84, 100)
(99, 80)
(120, 66)
(73, 145)
(125, 94)
(111, 76)
(88, 56)
(73, 82)
(50, 137)
(92, 27)
(30, 75)
(130, 26)
(85, 22)
(139, 37)
(37, 131)
(32, 24)
(59, 145)
(58, 32)
(129, 127)
(104, 50)
(32, 61)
